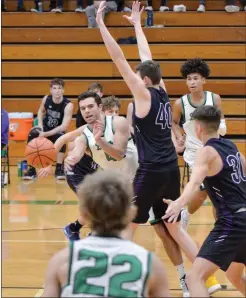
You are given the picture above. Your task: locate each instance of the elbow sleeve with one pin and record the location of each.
(222, 128)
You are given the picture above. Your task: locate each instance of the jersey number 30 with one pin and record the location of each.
(164, 116)
(100, 268)
(235, 162)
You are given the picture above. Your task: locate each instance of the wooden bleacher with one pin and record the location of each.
(39, 47)
(214, 5)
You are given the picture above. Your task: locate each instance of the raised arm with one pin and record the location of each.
(129, 116)
(143, 46)
(134, 82)
(117, 150)
(68, 113)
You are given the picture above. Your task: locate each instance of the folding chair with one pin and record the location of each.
(5, 165)
(186, 174)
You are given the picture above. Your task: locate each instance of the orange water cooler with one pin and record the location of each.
(20, 125)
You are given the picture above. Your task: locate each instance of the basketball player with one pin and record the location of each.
(104, 264)
(158, 174)
(222, 169)
(106, 137)
(94, 87)
(54, 116)
(195, 71)
(85, 166)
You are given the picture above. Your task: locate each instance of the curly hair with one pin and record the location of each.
(195, 65)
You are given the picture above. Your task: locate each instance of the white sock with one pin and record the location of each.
(181, 270)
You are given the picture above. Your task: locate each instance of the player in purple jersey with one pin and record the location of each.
(222, 168)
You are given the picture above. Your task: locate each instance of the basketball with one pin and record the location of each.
(40, 152)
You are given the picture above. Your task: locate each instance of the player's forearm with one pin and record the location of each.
(113, 48)
(189, 193)
(68, 137)
(54, 131)
(177, 131)
(143, 46)
(111, 150)
(40, 118)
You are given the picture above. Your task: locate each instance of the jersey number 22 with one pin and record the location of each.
(116, 285)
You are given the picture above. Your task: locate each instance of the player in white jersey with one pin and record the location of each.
(107, 138)
(104, 264)
(195, 71)
(110, 108)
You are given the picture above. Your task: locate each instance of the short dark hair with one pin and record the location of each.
(95, 86)
(150, 69)
(88, 94)
(57, 81)
(106, 198)
(110, 102)
(209, 115)
(195, 65)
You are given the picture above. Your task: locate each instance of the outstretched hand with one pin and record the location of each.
(173, 210)
(99, 17)
(44, 172)
(135, 16)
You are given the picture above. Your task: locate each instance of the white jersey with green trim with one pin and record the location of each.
(107, 267)
(128, 164)
(192, 144)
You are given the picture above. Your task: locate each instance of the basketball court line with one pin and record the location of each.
(50, 229)
(35, 241)
(55, 202)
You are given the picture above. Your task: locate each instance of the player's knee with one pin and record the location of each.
(195, 275)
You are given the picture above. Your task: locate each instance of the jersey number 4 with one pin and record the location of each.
(116, 284)
(164, 116)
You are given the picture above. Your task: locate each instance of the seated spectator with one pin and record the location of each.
(54, 116)
(91, 11)
(230, 6)
(20, 5)
(111, 106)
(59, 7)
(39, 6)
(243, 2)
(163, 6)
(4, 128)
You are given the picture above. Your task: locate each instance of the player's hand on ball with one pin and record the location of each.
(44, 172)
(98, 130)
(99, 17)
(135, 16)
(173, 210)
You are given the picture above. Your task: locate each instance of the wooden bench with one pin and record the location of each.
(47, 19)
(71, 5)
(154, 35)
(78, 69)
(99, 52)
(231, 106)
(116, 87)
